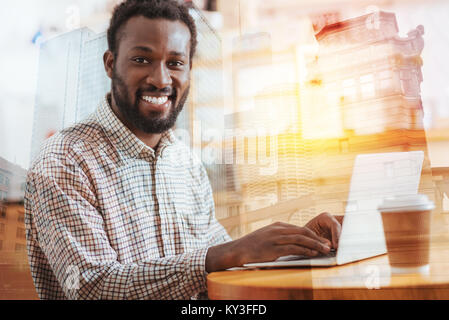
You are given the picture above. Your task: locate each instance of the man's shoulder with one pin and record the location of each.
(78, 139)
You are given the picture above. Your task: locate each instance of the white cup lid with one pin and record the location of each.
(413, 202)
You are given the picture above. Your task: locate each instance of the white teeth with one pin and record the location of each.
(155, 100)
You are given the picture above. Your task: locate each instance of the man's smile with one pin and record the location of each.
(157, 102)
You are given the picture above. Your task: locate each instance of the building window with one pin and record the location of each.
(2, 212)
(21, 217)
(386, 83)
(1, 244)
(367, 86)
(3, 195)
(4, 180)
(21, 233)
(2, 228)
(20, 247)
(349, 90)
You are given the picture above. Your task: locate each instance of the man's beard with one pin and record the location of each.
(131, 112)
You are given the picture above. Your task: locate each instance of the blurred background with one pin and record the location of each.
(284, 95)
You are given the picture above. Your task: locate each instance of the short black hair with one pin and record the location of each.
(152, 9)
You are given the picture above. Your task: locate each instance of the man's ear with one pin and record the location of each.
(108, 60)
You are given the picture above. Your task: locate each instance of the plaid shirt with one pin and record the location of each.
(108, 217)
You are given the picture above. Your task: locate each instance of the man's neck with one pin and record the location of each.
(150, 139)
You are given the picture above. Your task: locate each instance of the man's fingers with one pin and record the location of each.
(292, 249)
(309, 233)
(334, 224)
(339, 219)
(313, 235)
(304, 241)
(288, 229)
(336, 230)
(291, 234)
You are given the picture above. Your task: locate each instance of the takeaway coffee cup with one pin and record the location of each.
(406, 223)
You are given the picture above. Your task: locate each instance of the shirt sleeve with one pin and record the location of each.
(69, 229)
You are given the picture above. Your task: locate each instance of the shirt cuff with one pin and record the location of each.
(197, 268)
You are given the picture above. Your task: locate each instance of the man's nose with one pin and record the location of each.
(159, 76)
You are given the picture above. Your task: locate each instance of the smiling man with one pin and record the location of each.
(117, 207)
(150, 74)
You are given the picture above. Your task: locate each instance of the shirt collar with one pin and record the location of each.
(124, 139)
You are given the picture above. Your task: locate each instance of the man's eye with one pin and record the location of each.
(176, 63)
(141, 60)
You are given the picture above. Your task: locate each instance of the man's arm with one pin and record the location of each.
(70, 231)
(266, 244)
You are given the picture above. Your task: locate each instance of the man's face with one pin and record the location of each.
(150, 73)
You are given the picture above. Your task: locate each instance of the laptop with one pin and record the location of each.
(374, 177)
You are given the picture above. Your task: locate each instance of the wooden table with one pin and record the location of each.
(367, 279)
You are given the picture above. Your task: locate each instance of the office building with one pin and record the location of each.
(368, 79)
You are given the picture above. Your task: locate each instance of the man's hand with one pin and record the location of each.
(266, 244)
(327, 226)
